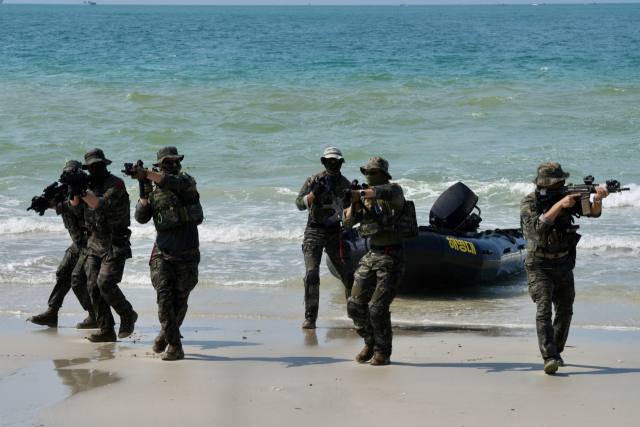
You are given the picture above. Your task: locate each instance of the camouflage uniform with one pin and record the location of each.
(551, 258)
(174, 261)
(108, 248)
(70, 273)
(380, 271)
(317, 236)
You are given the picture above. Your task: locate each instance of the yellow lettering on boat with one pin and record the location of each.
(461, 245)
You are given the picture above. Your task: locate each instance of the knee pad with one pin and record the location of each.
(378, 313)
(312, 277)
(352, 308)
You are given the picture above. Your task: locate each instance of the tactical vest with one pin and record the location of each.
(173, 208)
(562, 237)
(317, 213)
(397, 215)
(116, 218)
(75, 225)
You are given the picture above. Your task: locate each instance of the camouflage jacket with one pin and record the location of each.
(548, 236)
(317, 213)
(110, 220)
(73, 220)
(181, 184)
(376, 219)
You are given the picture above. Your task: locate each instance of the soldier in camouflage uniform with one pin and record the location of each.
(107, 215)
(551, 257)
(316, 192)
(380, 271)
(70, 273)
(175, 208)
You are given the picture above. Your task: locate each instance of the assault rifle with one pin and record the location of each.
(129, 169)
(50, 195)
(338, 205)
(585, 190)
(78, 182)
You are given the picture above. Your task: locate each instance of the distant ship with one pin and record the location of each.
(89, 3)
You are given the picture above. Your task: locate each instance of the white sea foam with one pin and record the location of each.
(13, 266)
(284, 190)
(610, 242)
(29, 225)
(230, 233)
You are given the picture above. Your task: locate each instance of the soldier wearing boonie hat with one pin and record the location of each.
(317, 191)
(107, 215)
(380, 271)
(551, 257)
(174, 206)
(70, 272)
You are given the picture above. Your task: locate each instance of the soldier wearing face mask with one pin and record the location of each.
(108, 248)
(316, 192)
(175, 207)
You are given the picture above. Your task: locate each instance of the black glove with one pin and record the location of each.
(76, 190)
(318, 189)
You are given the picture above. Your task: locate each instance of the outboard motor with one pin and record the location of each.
(453, 209)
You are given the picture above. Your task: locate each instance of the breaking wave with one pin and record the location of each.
(29, 225)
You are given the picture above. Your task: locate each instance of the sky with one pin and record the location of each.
(314, 2)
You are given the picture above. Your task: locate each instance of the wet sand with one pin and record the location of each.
(271, 373)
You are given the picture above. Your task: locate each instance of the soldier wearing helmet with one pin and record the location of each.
(317, 192)
(551, 258)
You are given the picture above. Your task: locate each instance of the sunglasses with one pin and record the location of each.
(371, 172)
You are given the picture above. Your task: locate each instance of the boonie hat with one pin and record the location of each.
(93, 156)
(332, 153)
(71, 164)
(377, 163)
(550, 173)
(167, 153)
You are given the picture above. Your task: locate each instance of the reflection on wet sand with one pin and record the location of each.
(79, 380)
(36, 387)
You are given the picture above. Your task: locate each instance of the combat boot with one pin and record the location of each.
(127, 324)
(365, 355)
(88, 323)
(380, 360)
(48, 318)
(560, 361)
(309, 324)
(103, 335)
(159, 344)
(174, 352)
(550, 365)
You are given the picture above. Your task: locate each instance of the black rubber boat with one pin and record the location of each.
(451, 253)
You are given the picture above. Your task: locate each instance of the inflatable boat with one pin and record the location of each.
(450, 252)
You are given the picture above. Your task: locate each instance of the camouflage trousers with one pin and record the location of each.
(174, 274)
(551, 284)
(70, 275)
(377, 279)
(338, 251)
(103, 275)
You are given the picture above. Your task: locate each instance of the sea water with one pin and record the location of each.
(253, 95)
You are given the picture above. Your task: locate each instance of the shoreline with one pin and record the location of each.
(240, 371)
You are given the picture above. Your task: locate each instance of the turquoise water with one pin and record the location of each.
(253, 95)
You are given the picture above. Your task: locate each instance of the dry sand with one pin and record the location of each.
(253, 372)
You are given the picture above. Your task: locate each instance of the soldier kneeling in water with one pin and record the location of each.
(175, 208)
(551, 258)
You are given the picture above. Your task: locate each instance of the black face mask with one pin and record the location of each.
(332, 168)
(98, 171)
(171, 168)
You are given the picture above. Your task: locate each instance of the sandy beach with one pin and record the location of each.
(271, 373)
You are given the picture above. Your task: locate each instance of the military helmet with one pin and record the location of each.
(376, 163)
(71, 165)
(93, 156)
(550, 173)
(332, 153)
(167, 153)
